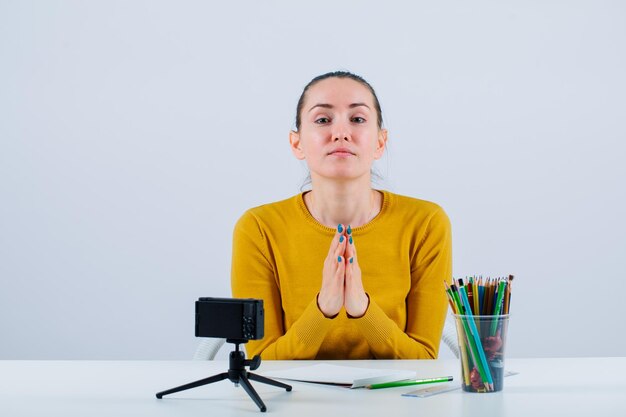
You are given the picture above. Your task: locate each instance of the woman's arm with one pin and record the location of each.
(426, 303)
(253, 275)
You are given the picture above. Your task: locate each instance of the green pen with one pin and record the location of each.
(410, 382)
(498, 307)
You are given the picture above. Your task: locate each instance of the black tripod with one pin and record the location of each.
(236, 373)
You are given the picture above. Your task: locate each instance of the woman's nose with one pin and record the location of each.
(341, 132)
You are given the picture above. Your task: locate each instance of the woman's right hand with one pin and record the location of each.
(330, 298)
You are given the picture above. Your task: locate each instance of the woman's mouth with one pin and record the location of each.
(342, 152)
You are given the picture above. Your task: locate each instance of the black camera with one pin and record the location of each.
(230, 318)
(238, 320)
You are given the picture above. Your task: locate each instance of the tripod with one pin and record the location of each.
(237, 374)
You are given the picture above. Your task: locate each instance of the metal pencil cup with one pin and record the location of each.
(482, 340)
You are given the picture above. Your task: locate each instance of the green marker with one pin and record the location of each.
(408, 383)
(498, 307)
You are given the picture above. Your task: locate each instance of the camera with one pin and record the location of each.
(230, 318)
(238, 320)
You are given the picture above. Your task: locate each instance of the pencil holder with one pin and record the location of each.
(482, 342)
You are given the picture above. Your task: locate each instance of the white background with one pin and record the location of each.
(133, 134)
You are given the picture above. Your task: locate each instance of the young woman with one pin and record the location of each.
(345, 271)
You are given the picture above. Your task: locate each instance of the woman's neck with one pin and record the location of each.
(346, 203)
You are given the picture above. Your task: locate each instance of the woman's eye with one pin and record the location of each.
(322, 120)
(358, 120)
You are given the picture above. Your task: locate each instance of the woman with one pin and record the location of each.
(345, 271)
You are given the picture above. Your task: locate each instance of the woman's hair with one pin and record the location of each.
(338, 74)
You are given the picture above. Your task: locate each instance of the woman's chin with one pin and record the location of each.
(343, 175)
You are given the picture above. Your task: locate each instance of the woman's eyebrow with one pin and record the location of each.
(330, 106)
(324, 105)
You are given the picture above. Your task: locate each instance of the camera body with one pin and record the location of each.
(230, 318)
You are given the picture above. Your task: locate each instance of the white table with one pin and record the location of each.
(569, 387)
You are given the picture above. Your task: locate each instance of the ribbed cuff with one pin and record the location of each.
(374, 325)
(317, 325)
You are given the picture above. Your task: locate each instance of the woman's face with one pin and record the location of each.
(339, 136)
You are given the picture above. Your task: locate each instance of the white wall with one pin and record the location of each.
(133, 135)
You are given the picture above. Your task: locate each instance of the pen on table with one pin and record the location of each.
(410, 382)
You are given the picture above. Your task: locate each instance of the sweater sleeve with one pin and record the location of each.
(426, 303)
(253, 275)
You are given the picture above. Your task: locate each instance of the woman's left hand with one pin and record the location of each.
(356, 300)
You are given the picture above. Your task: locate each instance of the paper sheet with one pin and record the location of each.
(347, 376)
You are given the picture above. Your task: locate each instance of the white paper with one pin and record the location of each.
(347, 376)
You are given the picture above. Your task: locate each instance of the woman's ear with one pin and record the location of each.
(296, 148)
(381, 143)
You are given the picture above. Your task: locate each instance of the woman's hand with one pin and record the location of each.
(331, 296)
(356, 300)
(341, 278)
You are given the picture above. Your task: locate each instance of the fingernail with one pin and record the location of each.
(341, 239)
(339, 259)
(340, 228)
(351, 259)
(349, 229)
(350, 240)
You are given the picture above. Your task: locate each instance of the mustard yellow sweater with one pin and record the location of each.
(404, 255)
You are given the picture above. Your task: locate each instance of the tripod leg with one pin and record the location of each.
(243, 380)
(209, 380)
(268, 381)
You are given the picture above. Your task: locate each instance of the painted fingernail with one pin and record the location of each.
(341, 239)
(351, 259)
(350, 240)
(339, 259)
(349, 229)
(340, 228)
